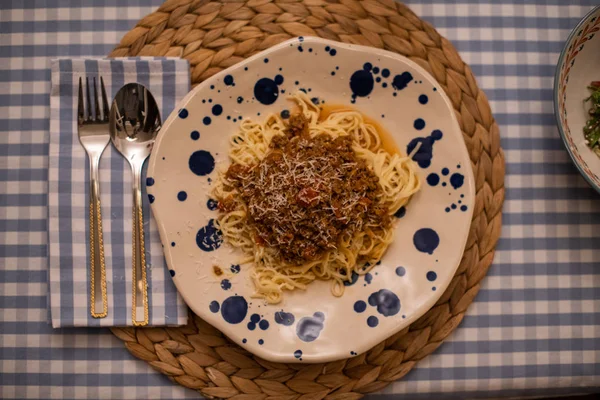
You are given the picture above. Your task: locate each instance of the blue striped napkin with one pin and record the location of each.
(68, 226)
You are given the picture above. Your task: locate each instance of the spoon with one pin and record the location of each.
(134, 124)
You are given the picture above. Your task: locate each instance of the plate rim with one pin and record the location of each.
(555, 95)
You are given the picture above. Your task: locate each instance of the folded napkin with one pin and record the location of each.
(68, 198)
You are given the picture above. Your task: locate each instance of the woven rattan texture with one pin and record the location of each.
(215, 35)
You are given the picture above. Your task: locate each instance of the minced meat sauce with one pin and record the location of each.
(306, 193)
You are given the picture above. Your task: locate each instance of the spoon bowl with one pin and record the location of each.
(134, 121)
(134, 124)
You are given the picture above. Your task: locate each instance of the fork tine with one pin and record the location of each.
(96, 101)
(87, 97)
(105, 109)
(80, 114)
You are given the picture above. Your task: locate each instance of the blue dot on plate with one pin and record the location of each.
(234, 309)
(333, 52)
(463, 208)
(266, 91)
(360, 306)
(433, 179)
(195, 135)
(298, 353)
(285, 114)
(387, 302)
(457, 180)
(278, 79)
(283, 318)
(214, 306)
(423, 99)
(212, 204)
(235, 269)
(385, 72)
(264, 324)
(228, 80)
(431, 276)
(206, 120)
(266, 60)
(372, 321)
(172, 244)
(201, 163)
(225, 284)
(419, 124)
(217, 109)
(181, 196)
(151, 198)
(309, 328)
(255, 318)
(251, 326)
(400, 213)
(401, 81)
(445, 171)
(244, 340)
(400, 271)
(183, 113)
(426, 240)
(261, 342)
(361, 83)
(172, 272)
(209, 237)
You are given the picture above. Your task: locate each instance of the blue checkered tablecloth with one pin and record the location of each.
(535, 325)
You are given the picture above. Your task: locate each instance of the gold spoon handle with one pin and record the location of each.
(139, 290)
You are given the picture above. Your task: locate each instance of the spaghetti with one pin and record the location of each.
(311, 198)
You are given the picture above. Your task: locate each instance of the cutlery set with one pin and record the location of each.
(132, 124)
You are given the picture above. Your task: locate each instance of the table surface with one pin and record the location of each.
(533, 329)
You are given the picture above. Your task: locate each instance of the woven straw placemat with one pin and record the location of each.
(214, 35)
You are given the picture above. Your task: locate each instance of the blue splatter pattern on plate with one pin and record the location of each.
(430, 231)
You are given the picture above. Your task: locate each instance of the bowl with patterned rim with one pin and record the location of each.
(430, 232)
(578, 65)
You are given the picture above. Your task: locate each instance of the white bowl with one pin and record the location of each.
(430, 237)
(578, 65)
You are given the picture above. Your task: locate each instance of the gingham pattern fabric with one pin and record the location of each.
(533, 329)
(68, 197)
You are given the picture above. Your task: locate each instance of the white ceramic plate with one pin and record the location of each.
(577, 67)
(313, 325)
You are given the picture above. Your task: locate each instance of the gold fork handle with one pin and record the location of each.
(98, 300)
(139, 304)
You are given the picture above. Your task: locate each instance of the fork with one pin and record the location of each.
(94, 137)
